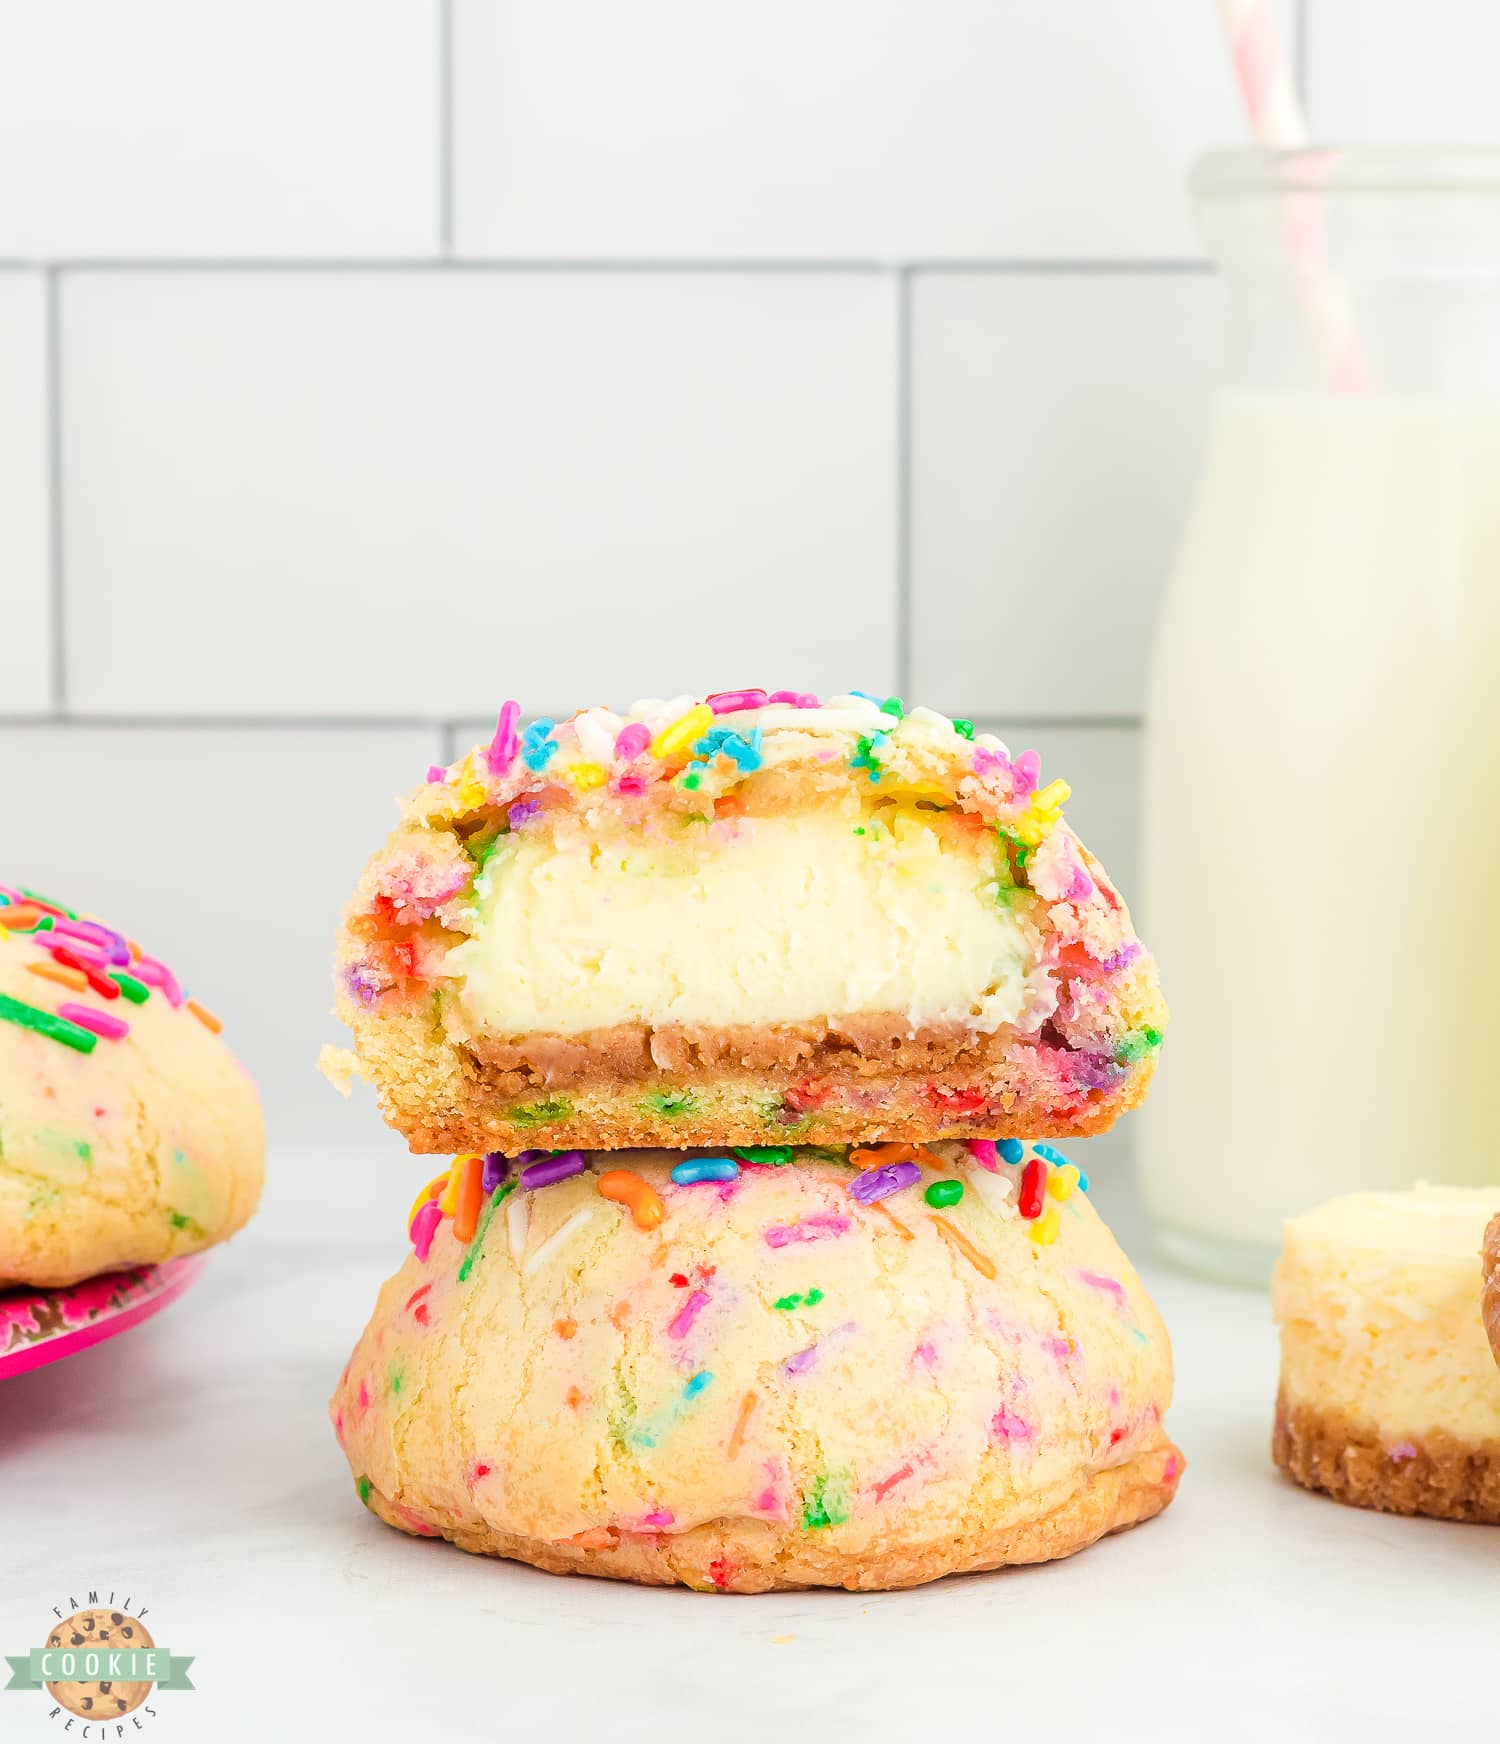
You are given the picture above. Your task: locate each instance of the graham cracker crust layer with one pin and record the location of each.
(1435, 1474)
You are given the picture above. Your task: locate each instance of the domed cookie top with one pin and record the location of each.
(619, 1364)
(128, 1131)
(739, 920)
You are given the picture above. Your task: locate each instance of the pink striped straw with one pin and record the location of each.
(1278, 124)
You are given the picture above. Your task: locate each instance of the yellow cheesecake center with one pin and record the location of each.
(758, 920)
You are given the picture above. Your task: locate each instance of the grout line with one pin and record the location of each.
(685, 264)
(55, 598)
(75, 720)
(903, 484)
(448, 740)
(1299, 52)
(445, 126)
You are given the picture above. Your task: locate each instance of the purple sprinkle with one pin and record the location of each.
(364, 983)
(521, 810)
(881, 1183)
(496, 1168)
(801, 1362)
(555, 1169)
(632, 740)
(1126, 954)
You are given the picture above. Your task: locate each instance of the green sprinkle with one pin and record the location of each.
(942, 1193)
(810, 1299)
(178, 1220)
(964, 729)
(544, 1113)
(669, 1104)
(48, 1023)
(692, 780)
(1131, 1049)
(775, 1155)
(362, 1488)
(477, 1241)
(827, 1502)
(893, 705)
(398, 1376)
(137, 992)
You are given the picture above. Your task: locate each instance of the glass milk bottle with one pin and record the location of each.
(1322, 763)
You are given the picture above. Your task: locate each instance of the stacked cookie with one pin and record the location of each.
(129, 1134)
(752, 1020)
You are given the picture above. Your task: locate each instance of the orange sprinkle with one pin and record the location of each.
(74, 978)
(891, 1218)
(625, 1187)
(205, 1017)
(737, 1434)
(565, 1328)
(596, 1538)
(957, 1239)
(573, 1397)
(881, 1156)
(134, 949)
(470, 1198)
(20, 914)
(729, 805)
(620, 1313)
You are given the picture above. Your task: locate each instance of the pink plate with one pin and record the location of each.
(43, 1326)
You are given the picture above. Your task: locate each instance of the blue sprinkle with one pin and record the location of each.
(864, 693)
(745, 753)
(1050, 1153)
(537, 746)
(705, 1169)
(1083, 1182)
(1011, 1150)
(697, 1384)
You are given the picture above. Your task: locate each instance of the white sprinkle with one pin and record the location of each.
(517, 1222)
(992, 1191)
(584, 1214)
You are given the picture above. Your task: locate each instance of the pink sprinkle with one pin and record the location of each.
(632, 740)
(1403, 1450)
(364, 1397)
(768, 1502)
(632, 784)
(1110, 1286)
(1028, 768)
(987, 762)
(436, 772)
(661, 1517)
(424, 1227)
(1170, 1469)
(890, 1483)
(984, 1153)
(687, 1314)
(803, 699)
(926, 1354)
(84, 949)
(819, 1227)
(156, 974)
(101, 1023)
(1007, 1426)
(503, 747)
(729, 702)
(1080, 886)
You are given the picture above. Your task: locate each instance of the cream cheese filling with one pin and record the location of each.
(778, 919)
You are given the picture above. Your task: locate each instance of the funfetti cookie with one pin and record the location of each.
(129, 1133)
(743, 920)
(1389, 1395)
(765, 1368)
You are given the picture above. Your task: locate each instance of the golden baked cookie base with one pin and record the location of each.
(750, 1556)
(443, 1099)
(1444, 1477)
(1490, 1259)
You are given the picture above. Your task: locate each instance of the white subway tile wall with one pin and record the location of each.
(366, 362)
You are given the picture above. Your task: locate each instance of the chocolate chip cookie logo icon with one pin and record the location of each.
(98, 1663)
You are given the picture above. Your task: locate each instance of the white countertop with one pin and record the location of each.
(191, 1463)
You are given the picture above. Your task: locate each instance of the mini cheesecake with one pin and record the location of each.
(1389, 1394)
(743, 920)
